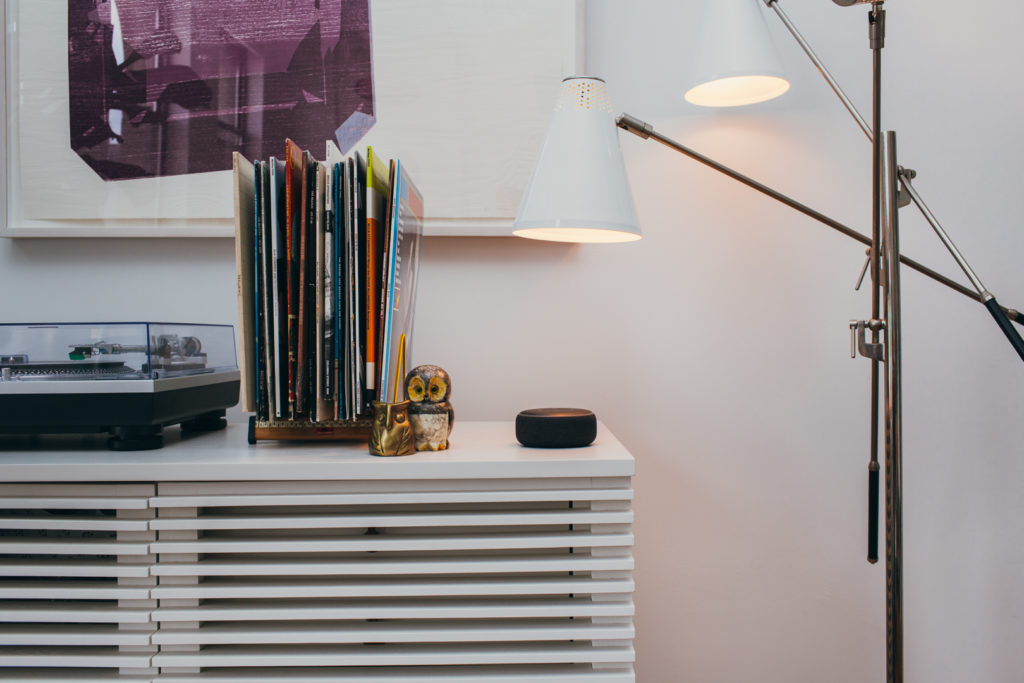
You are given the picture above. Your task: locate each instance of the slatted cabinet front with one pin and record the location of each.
(491, 580)
(76, 581)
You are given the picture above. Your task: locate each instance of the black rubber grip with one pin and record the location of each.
(1004, 324)
(873, 513)
(1017, 317)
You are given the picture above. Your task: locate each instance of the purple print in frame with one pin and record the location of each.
(171, 87)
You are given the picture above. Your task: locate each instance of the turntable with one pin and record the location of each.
(127, 379)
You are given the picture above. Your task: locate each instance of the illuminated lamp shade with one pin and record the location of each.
(737, 63)
(579, 191)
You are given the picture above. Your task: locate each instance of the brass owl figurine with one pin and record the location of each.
(391, 433)
(428, 387)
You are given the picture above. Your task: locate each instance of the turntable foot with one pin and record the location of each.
(207, 422)
(136, 438)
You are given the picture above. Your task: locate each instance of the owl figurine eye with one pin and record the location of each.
(415, 390)
(437, 388)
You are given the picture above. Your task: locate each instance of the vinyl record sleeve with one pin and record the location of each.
(303, 318)
(404, 236)
(257, 288)
(267, 337)
(244, 181)
(376, 199)
(279, 289)
(292, 201)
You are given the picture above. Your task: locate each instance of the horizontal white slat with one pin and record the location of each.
(69, 635)
(69, 675)
(479, 609)
(70, 590)
(70, 546)
(50, 488)
(453, 608)
(391, 498)
(400, 655)
(411, 483)
(551, 673)
(81, 503)
(385, 543)
(394, 588)
(92, 657)
(396, 632)
(71, 612)
(74, 523)
(394, 519)
(466, 564)
(71, 568)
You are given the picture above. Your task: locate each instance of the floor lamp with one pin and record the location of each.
(579, 193)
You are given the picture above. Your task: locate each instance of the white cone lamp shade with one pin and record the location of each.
(579, 191)
(737, 63)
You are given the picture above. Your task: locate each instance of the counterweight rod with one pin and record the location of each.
(876, 33)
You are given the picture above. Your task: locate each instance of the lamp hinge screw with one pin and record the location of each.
(864, 270)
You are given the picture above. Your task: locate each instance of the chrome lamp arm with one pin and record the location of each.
(1003, 315)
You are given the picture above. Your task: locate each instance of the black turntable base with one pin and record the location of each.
(134, 420)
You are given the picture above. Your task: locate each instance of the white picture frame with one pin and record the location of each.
(464, 90)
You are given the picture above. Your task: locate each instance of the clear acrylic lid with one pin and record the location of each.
(91, 351)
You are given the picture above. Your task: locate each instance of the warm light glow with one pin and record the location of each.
(737, 90)
(589, 235)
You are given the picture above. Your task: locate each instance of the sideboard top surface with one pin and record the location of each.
(479, 450)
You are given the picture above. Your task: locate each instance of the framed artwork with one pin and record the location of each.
(120, 116)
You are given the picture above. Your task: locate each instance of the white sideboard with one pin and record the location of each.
(214, 560)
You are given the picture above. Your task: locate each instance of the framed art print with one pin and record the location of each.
(121, 116)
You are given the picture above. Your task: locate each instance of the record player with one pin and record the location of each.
(127, 379)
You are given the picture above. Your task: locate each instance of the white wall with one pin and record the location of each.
(717, 347)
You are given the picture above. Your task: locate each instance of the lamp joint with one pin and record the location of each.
(876, 26)
(634, 125)
(903, 197)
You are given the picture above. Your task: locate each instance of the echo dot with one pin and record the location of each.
(556, 427)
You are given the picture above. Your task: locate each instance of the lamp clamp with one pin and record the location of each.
(859, 342)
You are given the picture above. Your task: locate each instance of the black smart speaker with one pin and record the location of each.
(556, 427)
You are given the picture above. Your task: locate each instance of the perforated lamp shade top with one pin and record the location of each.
(737, 63)
(579, 191)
